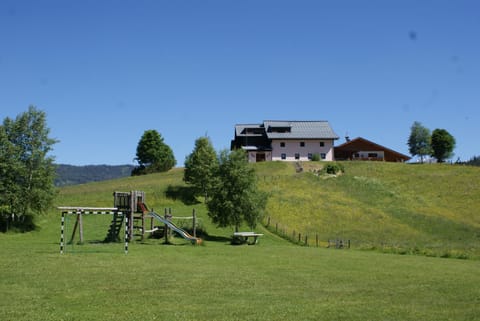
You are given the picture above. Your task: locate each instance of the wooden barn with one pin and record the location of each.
(363, 149)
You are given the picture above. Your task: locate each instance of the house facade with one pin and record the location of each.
(275, 140)
(363, 149)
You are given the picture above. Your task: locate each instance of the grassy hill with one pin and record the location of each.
(405, 208)
(424, 209)
(275, 280)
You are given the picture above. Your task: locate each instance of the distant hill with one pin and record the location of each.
(72, 175)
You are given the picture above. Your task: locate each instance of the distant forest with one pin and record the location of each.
(475, 161)
(71, 175)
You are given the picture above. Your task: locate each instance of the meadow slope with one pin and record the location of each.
(427, 209)
(275, 280)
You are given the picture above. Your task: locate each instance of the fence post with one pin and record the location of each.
(80, 226)
(170, 232)
(194, 215)
(165, 229)
(316, 239)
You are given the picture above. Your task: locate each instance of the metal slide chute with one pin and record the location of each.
(177, 229)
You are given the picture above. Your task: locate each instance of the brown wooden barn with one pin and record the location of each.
(363, 149)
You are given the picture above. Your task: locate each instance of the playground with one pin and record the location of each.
(130, 220)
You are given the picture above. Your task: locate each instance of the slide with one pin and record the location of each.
(180, 231)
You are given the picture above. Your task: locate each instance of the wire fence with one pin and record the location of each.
(304, 238)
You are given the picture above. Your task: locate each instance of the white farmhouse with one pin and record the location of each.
(275, 140)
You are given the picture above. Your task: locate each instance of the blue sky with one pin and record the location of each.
(106, 71)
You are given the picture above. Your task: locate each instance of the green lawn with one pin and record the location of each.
(272, 281)
(275, 280)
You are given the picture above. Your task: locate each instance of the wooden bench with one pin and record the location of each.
(243, 237)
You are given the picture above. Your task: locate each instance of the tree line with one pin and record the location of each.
(73, 175)
(438, 144)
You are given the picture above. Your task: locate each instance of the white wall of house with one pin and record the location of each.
(294, 150)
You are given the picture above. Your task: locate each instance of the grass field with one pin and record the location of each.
(429, 209)
(275, 280)
(272, 281)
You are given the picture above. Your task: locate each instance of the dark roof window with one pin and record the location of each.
(272, 129)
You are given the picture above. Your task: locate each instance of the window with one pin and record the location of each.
(322, 144)
(302, 144)
(255, 131)
(373, 155)
(323, 155)
(284, 156)
(297, 156)
(282, 144)
(310, 156)
(279, 129)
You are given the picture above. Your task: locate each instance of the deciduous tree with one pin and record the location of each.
(443, 145)
(236, 198)
(200, 167)
(153, 155)
(27, 170)
(419, 141)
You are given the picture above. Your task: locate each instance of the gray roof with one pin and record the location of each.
(300, 129)
(239, 129)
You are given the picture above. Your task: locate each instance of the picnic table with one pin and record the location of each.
(244, 237)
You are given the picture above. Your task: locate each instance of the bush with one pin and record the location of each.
(13, 223)
(315, 158)
(334, 168)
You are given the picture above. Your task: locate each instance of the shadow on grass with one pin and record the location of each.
(216, 238)
(186, 194)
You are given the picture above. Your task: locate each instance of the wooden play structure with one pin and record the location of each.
(129, 209)
(133, 204)
(130, 204)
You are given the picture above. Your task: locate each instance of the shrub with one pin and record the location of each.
(334, 168)
(315, 158)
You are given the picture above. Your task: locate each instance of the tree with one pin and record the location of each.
(153, 155)
(443, 145)
(28, 173)
(8, 188)
(236, 198)
(419, 141)
(200, 167)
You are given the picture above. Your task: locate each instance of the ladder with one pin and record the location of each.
(113, 234)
